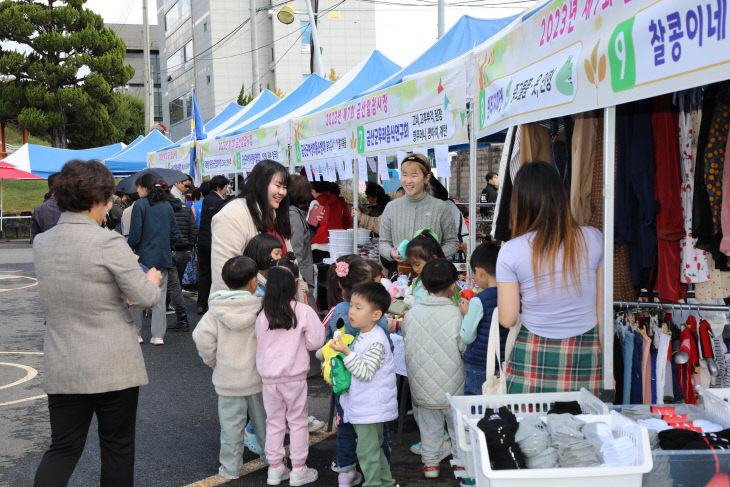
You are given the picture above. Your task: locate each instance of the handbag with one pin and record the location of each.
(341, 377)
(192, 270)
(498, 384)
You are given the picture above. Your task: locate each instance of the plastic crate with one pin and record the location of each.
(567, 477)
(715, 401)
(687, 468)
(473, 407)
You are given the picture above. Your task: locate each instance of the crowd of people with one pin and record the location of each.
(258, 255)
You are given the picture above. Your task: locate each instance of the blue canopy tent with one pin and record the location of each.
(467, 33)
(44, 161)
(306, 91)
(134, 157)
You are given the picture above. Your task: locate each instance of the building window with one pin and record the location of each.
(157, 95)
(177, 110)
(175, 61)
(306, 32)
(188, 104)
(205, 26)
(177, 13)
(188, 51)
(155, 67)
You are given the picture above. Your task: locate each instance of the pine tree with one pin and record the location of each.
(58, 73)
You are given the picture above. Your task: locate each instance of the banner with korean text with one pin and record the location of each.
(240, 153)
(177, 158)
(572, 56)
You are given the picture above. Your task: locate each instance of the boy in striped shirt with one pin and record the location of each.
(371, 399)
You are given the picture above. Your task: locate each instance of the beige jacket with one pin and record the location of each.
(90, 344)
(232, 227)
(226, 340)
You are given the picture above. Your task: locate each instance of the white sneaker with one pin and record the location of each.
(315, 424)
(276, 475)
(139, 339)
(157, 341)
(227, 476)
(302, 475)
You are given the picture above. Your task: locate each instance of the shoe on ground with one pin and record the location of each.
(139, 339)
(276, 475)
(302, 476)
(315, 424)
(179, 326)
(431, 472)
(170, 309)
(338, 469)
(416, 448)
(227, 476)
(157, 341)
(349, 479)
(252, 443)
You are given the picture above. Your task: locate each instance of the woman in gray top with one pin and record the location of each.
(300, 194)
(88, 278)
(417, 210)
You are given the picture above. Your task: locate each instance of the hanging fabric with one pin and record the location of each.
(694, 268)
(584, 148)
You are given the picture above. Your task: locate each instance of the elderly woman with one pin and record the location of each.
(88, 277)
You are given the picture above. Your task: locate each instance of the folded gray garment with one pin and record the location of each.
(548, 458)
(564, 428)
(653, 439)
(597, 433)
(579, 453)
(532, 436)
(639, 411)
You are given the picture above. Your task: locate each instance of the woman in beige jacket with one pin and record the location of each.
(262, 208)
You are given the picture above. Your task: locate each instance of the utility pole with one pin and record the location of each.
(315, 39)
(311, 47)
(442, 14)
(254, 52)
(149, 106)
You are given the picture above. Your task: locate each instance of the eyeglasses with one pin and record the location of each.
(187, 186)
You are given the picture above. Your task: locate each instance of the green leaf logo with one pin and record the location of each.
(360, 139)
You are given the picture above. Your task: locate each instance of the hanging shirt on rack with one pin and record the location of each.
(694, 266)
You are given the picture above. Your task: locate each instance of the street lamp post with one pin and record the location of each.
(286, 16)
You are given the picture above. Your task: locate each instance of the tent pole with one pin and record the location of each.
(2, 191)
(609, 196)
(355, 190)
(472, 186)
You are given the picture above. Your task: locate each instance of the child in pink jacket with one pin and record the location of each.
(286, 330)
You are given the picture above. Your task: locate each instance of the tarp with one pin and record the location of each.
(466, 34)
(221, 122)
(306, 91)
(569, 57)
(44, 161)
(134, 157)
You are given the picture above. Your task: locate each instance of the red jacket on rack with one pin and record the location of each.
(336, 217)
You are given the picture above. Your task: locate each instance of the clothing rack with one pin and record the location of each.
(680, 306)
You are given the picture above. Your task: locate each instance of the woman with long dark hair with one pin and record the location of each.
(152, 233)
(551, 269)
(300, 194)
(263, 208)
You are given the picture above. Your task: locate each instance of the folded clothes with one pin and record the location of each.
(548, 458)
(639, 411)
(499, 427)
(597, 433)
(532, 436)
(706, 426)
(619, 452)
(564, 428)
(565, 407)
(676, 439)
(654, 424)
(579, 453)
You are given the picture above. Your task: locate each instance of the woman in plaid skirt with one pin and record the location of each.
(551, 270)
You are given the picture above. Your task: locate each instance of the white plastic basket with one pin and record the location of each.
(715, 401)
(568, 477)
(473, 407)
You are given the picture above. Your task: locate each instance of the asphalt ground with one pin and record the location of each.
(177, 422)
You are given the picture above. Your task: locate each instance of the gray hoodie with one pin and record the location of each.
(226, 340)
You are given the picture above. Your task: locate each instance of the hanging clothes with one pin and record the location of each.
(535, 144)
(584, 148)
(707, 201)
(501, 219)
(725, 210)
(694, 268)
(635, 205)
(669, 220)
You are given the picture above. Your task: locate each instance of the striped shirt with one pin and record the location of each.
(363, 367)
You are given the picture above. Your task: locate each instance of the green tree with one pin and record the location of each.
(60, 72)
(243, 97)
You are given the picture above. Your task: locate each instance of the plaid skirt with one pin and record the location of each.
(555, 365)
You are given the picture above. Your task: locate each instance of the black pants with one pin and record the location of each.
(180, 259)
(204, 279)
(71, 414)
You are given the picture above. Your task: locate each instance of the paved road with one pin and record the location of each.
(177, 423)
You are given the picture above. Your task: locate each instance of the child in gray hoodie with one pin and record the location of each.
(226, 341)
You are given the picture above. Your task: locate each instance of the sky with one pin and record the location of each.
(402, 32)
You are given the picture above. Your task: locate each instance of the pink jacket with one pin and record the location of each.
(283, 355)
